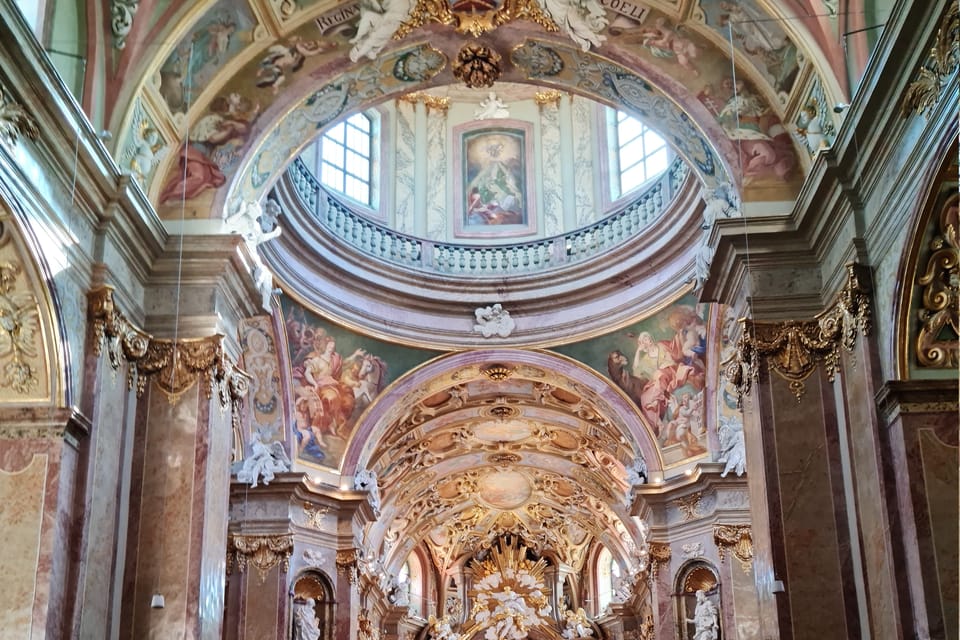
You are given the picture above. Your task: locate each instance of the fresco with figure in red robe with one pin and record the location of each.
(660, 364)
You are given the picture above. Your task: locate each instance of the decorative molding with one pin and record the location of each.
(32, 432)
(689, 506)
(941, 63)
(938, 305)
(19, 328)
(736, 538)
(314, 515)
(497, 372)
(659, 554)
(794, 349)
(174, 366)
(477, 66)
(122, 13)
(264, 552)
(14, 120)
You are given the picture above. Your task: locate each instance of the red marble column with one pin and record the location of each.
(178, 515)
(799, 509)
(921, 427)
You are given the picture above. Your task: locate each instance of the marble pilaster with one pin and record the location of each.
(39, 468)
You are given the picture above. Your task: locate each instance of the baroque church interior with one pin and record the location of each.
(485, 319)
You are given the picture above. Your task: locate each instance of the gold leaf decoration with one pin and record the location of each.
(794, 349)
(175, 366)
(737, 539)
(658, 554)
(19, 331)
(938, 340)
(924, 92)
(689, 506)
(264, 552)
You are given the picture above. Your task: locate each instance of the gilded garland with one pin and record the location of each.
(794, 349)
(737, 539)
(263, 552)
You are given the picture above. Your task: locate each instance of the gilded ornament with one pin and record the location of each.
(658, 554)
(348, 562)
(938, 338)
(794, 349)
(19, 328)
(175, 366)
(264, 552)
(497, 372)
(474, 23)
(736, 538)
(438, 103)
(925, 91)
(314, 515)
(477, 66)
(689, 506)
(549, 96)
(14, 120)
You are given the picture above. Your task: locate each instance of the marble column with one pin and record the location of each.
(919, 421)
(39, 478)
(188, 411)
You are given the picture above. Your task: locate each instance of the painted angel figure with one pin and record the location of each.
(143, 155)
(379, 20)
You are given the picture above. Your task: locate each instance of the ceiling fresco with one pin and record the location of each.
(253, 66)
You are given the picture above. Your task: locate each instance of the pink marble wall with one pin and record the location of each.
(941, 478)
(38, 468)
(211, 506)
(22, 492)
(871, 490)
(110, 407)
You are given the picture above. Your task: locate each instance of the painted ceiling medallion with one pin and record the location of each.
(502, 412)
(505, 489)
(477, 66)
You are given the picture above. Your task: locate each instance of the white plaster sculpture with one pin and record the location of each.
(577, 625)
(366, 480)
(705, 618)
(491, 107)
(692, 550)
(637, 471)
(245, 221)
(493, 321)
(379, 20)
(305, 624)
(582, 20)
(263, 462)
(312, 558)
(721, 202)
(733, 449)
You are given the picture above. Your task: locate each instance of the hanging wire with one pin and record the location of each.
(176, 322)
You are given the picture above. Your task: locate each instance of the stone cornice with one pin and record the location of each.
(917, 396)
(839, 183)
(795, 349)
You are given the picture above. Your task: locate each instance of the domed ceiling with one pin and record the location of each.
(438, 383)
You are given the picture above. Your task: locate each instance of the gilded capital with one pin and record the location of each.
(264, 552)
(735, 538)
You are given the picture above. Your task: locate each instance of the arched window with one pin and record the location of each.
(411, 580)
(608, 571)
(637, 153)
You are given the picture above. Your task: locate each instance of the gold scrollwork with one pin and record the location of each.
(439, 103)
(474, 23)
(737, 538)
(794, 349)
(939, 313)
(658, 555)
(689, 506)
(548, 96)
(924, 92)
(264, 552)
(347, 562)
(19, 328)
(175, 366)
(14, 120)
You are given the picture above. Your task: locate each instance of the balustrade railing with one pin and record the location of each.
(484, 260)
